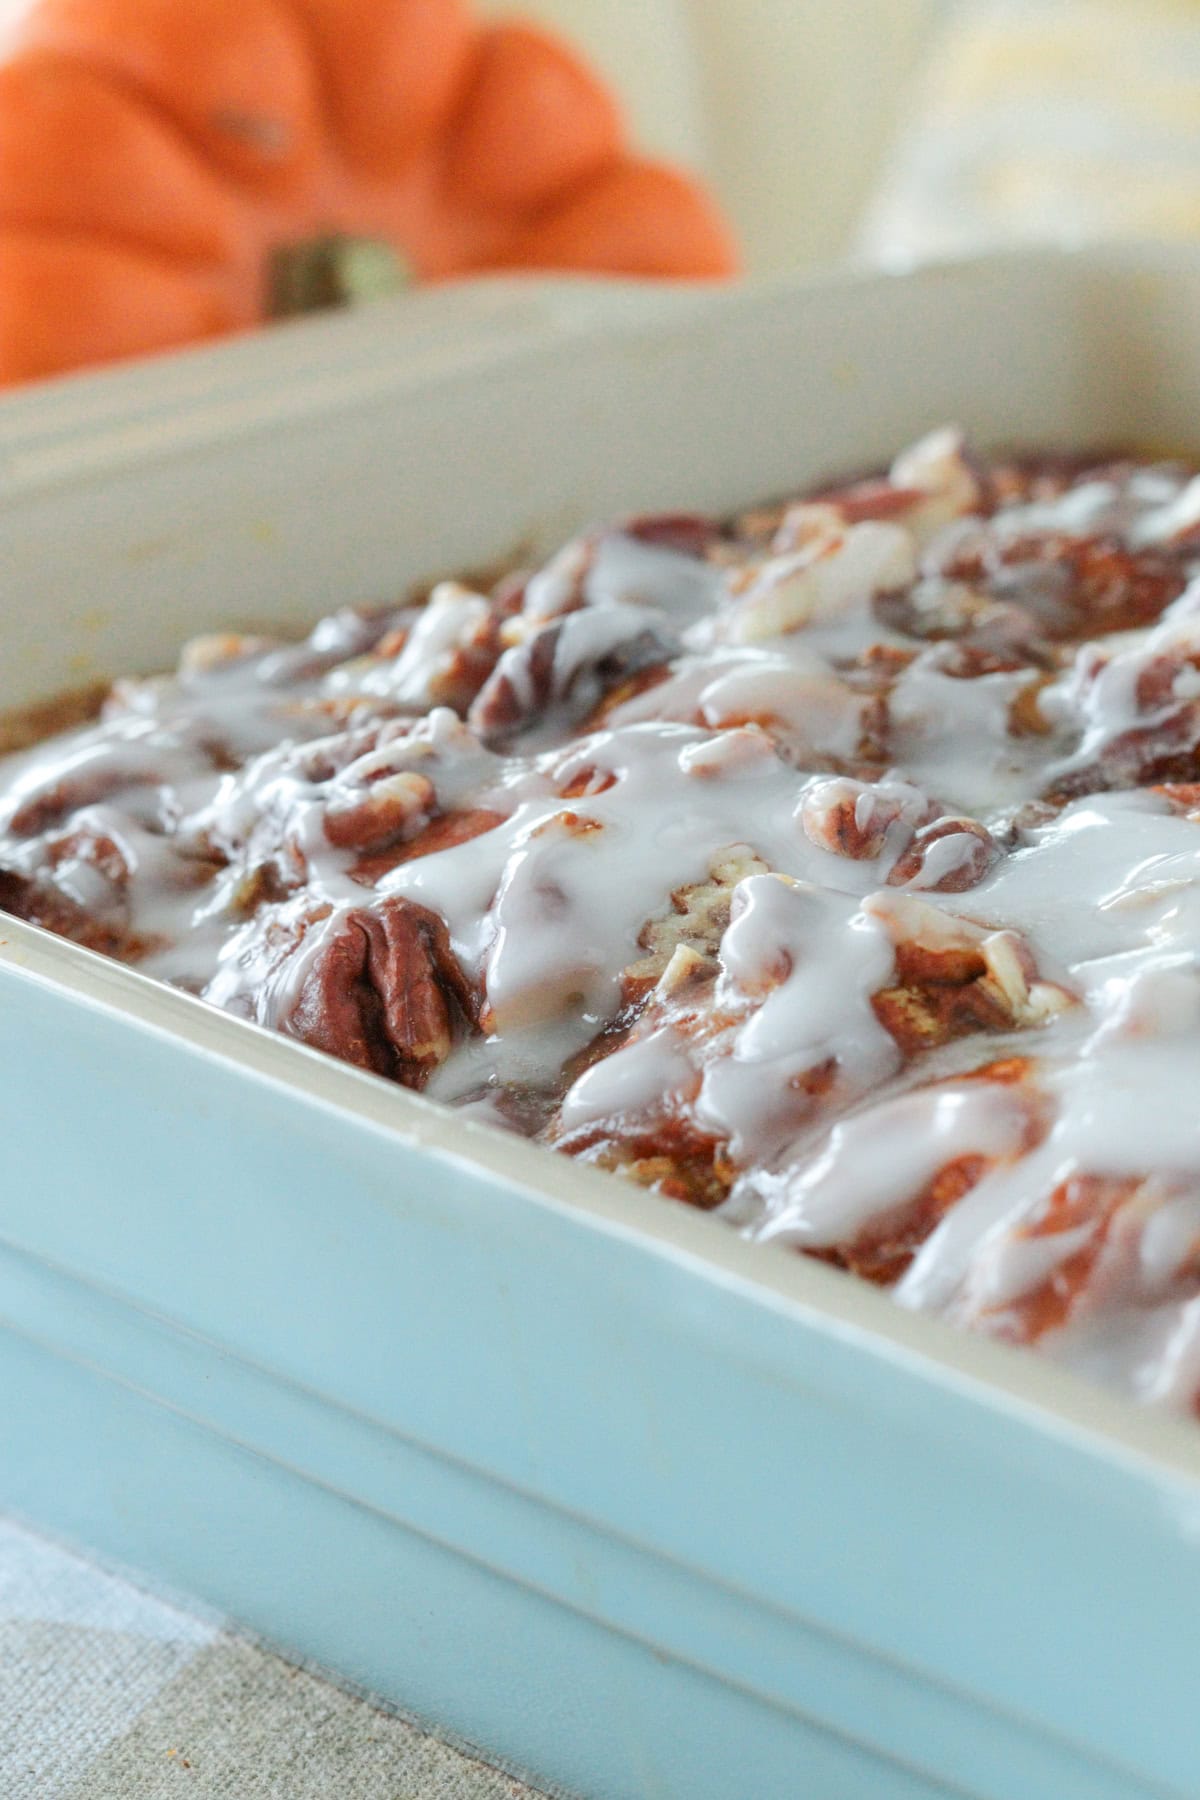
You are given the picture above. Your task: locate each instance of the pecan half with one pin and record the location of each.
(39, 903)
(385, 992)
(443, 832)
(372, 817)
(574, 661)
(691, 534)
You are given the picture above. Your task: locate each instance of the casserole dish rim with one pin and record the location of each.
(174, 405)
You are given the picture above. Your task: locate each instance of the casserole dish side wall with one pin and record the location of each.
(501, 1459)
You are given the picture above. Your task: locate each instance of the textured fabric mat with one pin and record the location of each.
(109, 1694)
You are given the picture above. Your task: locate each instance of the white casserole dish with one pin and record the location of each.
(571, 1473)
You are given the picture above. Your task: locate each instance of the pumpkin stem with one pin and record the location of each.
(335, 270)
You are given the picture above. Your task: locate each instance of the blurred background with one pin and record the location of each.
(905, 128)
(835, 127)
(170, 135)
(788, 106)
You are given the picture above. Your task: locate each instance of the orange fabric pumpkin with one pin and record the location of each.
(159, 157)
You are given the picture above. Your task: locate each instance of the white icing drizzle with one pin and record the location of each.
(817, 958)
(876, 1162)
(712, 805)
(941, 723)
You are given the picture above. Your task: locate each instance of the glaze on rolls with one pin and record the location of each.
(835, 868)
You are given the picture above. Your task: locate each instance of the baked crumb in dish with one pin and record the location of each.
(835, 868)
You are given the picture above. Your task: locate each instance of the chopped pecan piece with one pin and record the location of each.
(673, 1158)
(698, 918)
(954, 978)
(860, 819)
(691, 534)
(946, 857)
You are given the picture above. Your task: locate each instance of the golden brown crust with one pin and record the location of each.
(22, 727)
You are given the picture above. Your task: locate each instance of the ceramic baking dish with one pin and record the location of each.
(571, 1473)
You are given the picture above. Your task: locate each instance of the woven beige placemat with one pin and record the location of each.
(107, 1693)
